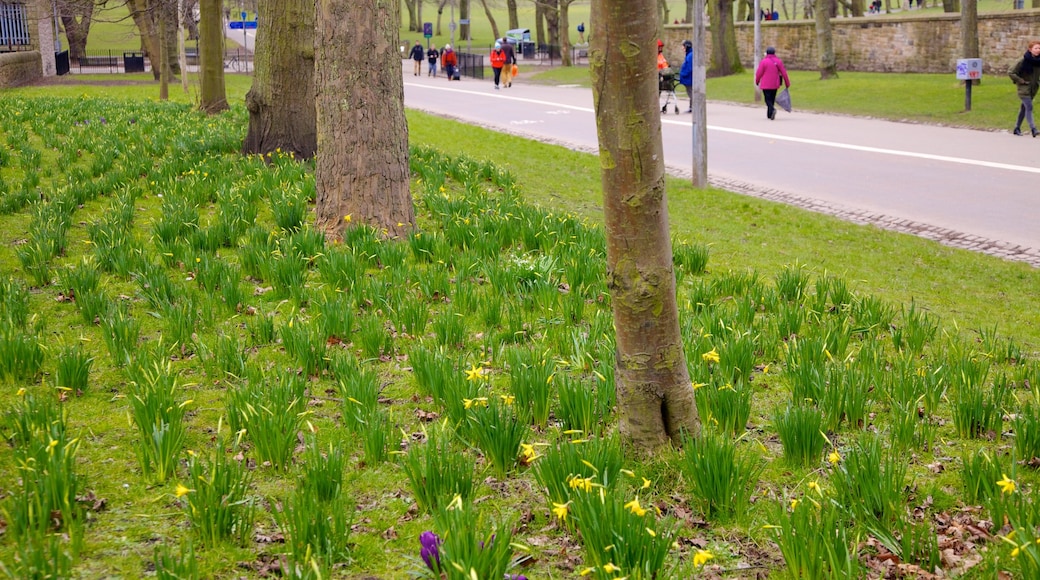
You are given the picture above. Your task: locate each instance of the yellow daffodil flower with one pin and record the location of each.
(587, 571)
(711, 356)
(508, 399)
(1006, 485)
(560, 510)
(474, 373)
(347, 218)
(527, 452)
(610, 568)
(652, 533)
(794, 503)
(834, 458)
(635, 508)
(701, 558)
(815, 486)
(646, 483)
(181, 490)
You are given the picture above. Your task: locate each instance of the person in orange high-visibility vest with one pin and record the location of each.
(661, 62)
(498, 60)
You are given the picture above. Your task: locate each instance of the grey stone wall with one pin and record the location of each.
(19, 68)
(926, 44)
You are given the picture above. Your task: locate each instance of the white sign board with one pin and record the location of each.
(969, 69)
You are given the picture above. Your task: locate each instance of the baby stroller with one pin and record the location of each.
(667, 80)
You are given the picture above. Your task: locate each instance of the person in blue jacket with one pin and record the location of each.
(686, 72)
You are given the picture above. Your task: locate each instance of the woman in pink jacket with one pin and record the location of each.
(769, 77)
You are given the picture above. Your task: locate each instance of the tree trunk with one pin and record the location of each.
(539, 24)
(689, 10)
(654, 394)
(464, 15)
(514, 20)
(361, 173)
(211, 57)
(663, 12)
(552, 22)
(565, 32)
(188, 20)
(725, 58)
(164, 60)
(281, 100)
(491, 19)
(142, 13)
(440, 12)
(412, 26)
(824, 41)
(76, 18)
(951, 6)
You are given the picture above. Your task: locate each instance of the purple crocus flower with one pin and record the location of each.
(515, 577)
(429, 542)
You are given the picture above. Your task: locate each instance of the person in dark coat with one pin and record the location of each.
(417, 55)
(1026, 75)
(686, 72)
(770, 76)
(431, 57)
(507, 69)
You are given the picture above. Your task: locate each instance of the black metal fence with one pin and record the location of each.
(471, 65)
(119, 61)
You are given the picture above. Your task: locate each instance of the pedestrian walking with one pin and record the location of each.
(449, 61)
(1026, 75)
(498, 60)
(507, 68)
(769, 77)
(686, 72)
(662, 62)
(417, 55)
(431, 57)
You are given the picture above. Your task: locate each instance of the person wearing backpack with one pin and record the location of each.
(498, 60)
(1026, 75)
(770, 76)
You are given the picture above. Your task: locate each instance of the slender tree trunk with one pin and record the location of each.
(539, 24)
(725, 58)
(654, 394)
(514, 19)
(552, 22)
(362, 164)
(440, 12)
(464, 15)
(142, 13)
(164, 61)
(662, 10)
(281, 100)
(951, 6)
(211, 57)
(491, 19)
(689, 10)
(824, 41)
(970, 32)
(565, 32)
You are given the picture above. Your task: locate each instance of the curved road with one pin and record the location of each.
(970, 189)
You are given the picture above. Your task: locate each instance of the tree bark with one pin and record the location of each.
(970, 32)
(440, 12)
(539, 24)
(565, 32)
(464, 15)
(951, 6)
(362, 164)
(514, 19)
(689, 10)
(281, 100)
(211, 57)
(164, 60)
(654, 394)
(551, 12)
(824, 41)
(141, 12)
(412, 26)
(662, 10)
(491, 20)
(725, 58)
(76, 17)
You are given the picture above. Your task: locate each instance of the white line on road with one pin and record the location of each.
(834, 144)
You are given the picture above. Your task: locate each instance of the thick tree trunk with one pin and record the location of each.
(951, 6)
(970, 32)
(725, 58)
(412, 21)
(654, 394)
(491, 19)
(362, 164)
(539, 24)
(824, 41)
(211, 57)
(76, 18)
(514, 19)
(142, 14)
(552, 22)
(281, 100)
(464, 15)
(689, 10)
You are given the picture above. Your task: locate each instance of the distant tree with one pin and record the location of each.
(413, 21)
(281, 100)
(464, 15)
(514, 20)
(361, 168)
(151, 18)
(440, 11)
(565, 31)
(491, 19)
(76, 17)
(654, 394)
(951, 6)
(725, 58)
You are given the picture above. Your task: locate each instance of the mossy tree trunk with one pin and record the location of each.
(211, 57)
(655, 397)
(824, 40)
(565, 32)
(725, 58)
(970, 31)
(281, 100)
(362, 162)
(514, 19)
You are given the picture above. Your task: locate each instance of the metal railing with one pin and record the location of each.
(117, 61)
(14, 28)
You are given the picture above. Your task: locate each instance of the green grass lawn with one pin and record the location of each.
(191, 279)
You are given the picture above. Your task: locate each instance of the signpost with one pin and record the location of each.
(427, 31)
(969, 70)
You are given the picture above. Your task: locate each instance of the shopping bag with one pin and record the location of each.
(516, 70)
(783, 99)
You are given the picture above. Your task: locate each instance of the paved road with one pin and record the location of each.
(969, 189)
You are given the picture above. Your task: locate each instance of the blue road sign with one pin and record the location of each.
(427, 29)
(250, 24)
(235, 25)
